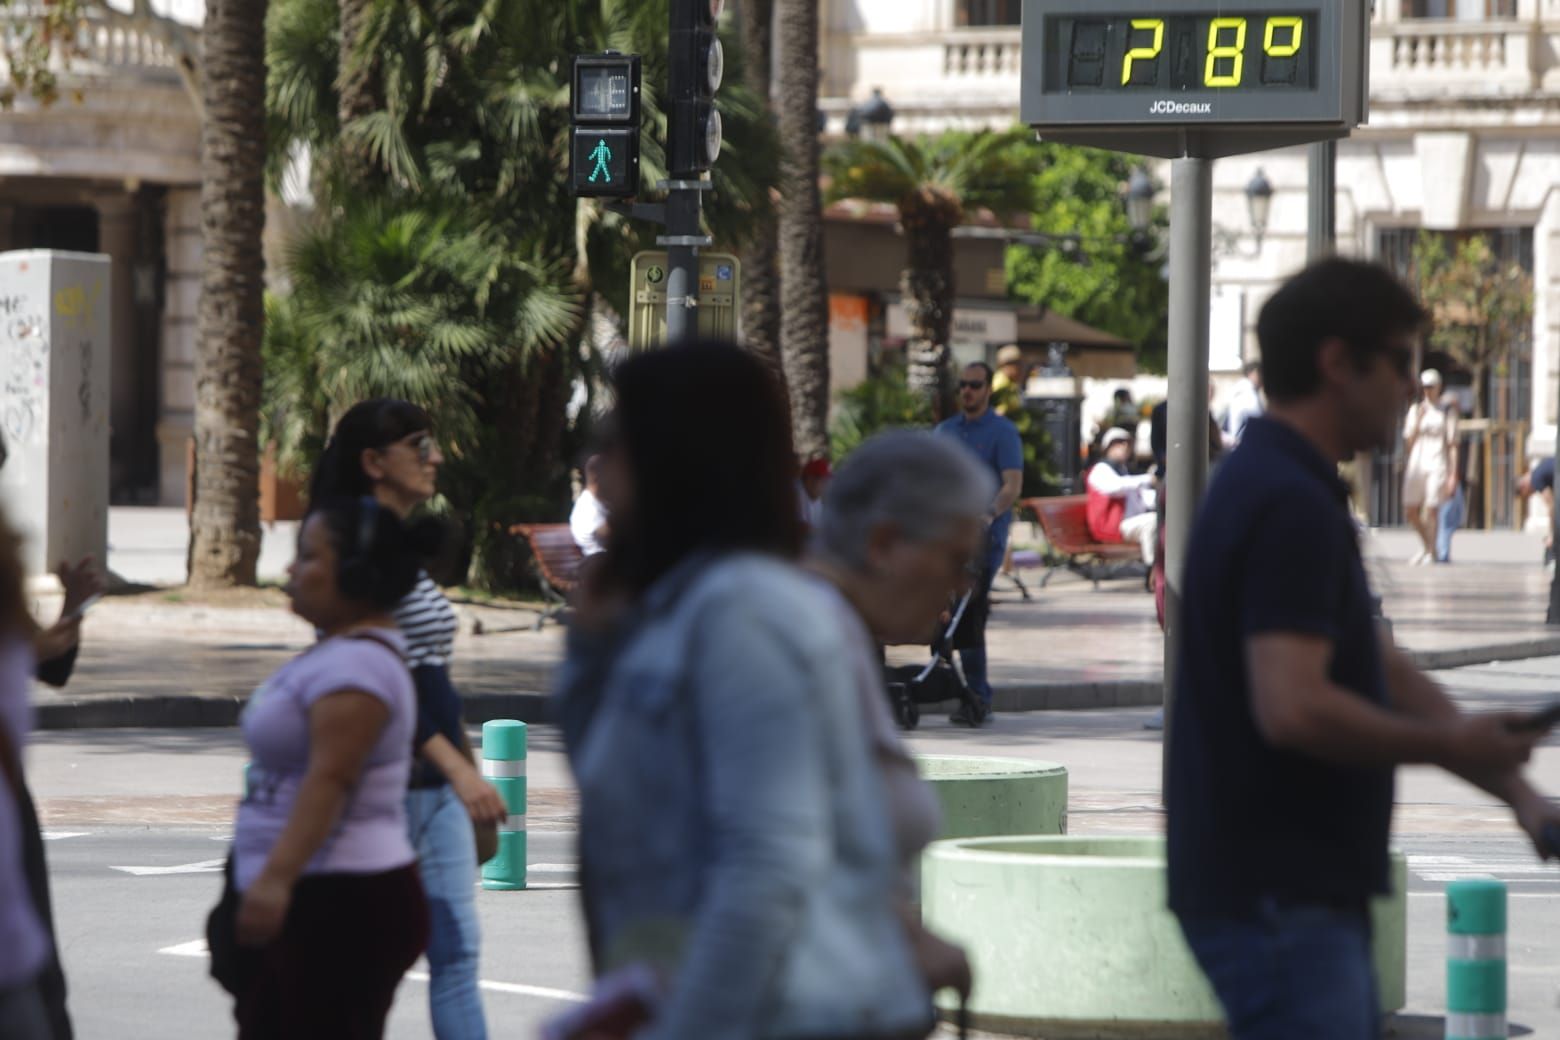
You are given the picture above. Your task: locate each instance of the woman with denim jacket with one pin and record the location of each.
(734, 841)
(385, 448)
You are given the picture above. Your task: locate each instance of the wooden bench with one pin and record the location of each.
(1064, 520)
(557, 559)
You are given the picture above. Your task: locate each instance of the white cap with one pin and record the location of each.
(1429, 377)
(1113, 435)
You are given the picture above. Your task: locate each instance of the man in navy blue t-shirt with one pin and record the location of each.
(1292, 709)
(995, 441)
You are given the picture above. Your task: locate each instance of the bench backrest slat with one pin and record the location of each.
(557, 556)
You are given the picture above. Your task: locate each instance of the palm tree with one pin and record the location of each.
(225, 522)
(760, 274)
(804, 302)
(934, 183)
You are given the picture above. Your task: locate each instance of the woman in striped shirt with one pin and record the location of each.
(385, 448)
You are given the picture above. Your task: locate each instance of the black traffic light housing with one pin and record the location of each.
(697, 66)
(604, 130)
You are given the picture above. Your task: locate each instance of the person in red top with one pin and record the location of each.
(1121, 506)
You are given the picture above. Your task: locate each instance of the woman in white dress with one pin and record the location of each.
(1430, 475)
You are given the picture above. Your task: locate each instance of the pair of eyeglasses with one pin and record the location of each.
(972, 384)
(422, 444)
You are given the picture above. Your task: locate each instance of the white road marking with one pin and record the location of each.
(205, 866)
(553, 868)
(62, 835)
(197, 948)
(516, 988)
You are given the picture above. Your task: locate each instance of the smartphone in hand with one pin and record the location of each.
(1538, 722)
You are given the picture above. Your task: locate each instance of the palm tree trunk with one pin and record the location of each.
(225, 521)
(760, 274)
(357, 78)
(804, 304)
(927, 284)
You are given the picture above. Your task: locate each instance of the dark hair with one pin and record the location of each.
(705, 432)
(1250, 367)
(371, 424)
(1360, 303)
(990, 373)
(1123, 395)
(379, 555)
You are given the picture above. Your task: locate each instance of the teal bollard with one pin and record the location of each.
(503, 763)
(1476, 960)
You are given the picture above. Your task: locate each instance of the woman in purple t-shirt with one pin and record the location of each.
(328, 884)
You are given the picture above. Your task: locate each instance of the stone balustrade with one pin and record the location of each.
(983, 56)
(1433, 58)
(107, 49)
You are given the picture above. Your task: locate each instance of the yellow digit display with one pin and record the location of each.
(1149, 53)
(1296, 27)
(1235, 52)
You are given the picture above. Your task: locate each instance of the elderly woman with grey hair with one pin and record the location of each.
(903, 521)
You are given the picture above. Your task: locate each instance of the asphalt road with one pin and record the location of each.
(155, 800)
(132, 902)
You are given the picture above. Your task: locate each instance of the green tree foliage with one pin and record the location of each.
(884, 401)
(1106, 281)
(935, 182)
(448, 262)
(1482, 305)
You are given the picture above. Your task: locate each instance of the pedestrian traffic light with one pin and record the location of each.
(604, 135)
(698, 63)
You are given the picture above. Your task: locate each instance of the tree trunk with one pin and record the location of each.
(357, 80)
(225, 521)
(929, 217)
(804, 303)
(760, 274)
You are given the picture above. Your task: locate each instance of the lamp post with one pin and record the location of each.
(873, 118)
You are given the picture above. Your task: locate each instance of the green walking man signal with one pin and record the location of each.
(604, 125)
(601, 154)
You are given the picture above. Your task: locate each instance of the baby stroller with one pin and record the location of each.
(940, 679)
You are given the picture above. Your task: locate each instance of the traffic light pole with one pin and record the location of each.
(684, 209)
(1191, 270)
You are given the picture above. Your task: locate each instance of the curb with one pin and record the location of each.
(54, 712)
(223, 712)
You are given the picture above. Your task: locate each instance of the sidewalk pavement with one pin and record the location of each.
(151, 660)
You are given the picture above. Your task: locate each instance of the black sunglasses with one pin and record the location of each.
(972, 384)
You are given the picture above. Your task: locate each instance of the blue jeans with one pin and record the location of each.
(1449, 519)
(1292, 973)
(447, 856)
(972, 659)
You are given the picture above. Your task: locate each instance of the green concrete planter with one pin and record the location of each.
(1070, 938)
(983, 797)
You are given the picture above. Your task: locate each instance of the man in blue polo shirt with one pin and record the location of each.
(1291, 708)
(996, 443)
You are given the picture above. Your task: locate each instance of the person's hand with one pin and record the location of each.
(1535, 814)
(58, 639)
(1450, 487)
(263, 911)
(81, 583)
(481, 799)
(1525, 485)
(943, 964)
(1487, 743)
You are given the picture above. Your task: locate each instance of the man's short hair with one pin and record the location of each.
(1251, 366)
(1362, 304)
(987, 369)
(1124, 396)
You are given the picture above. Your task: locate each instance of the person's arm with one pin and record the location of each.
(343, 728)
(1298, 708)
(481, 799)
(1007, 495)
(1415, 693)
(1411, 426)
(768, 801)
(1107, 481)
